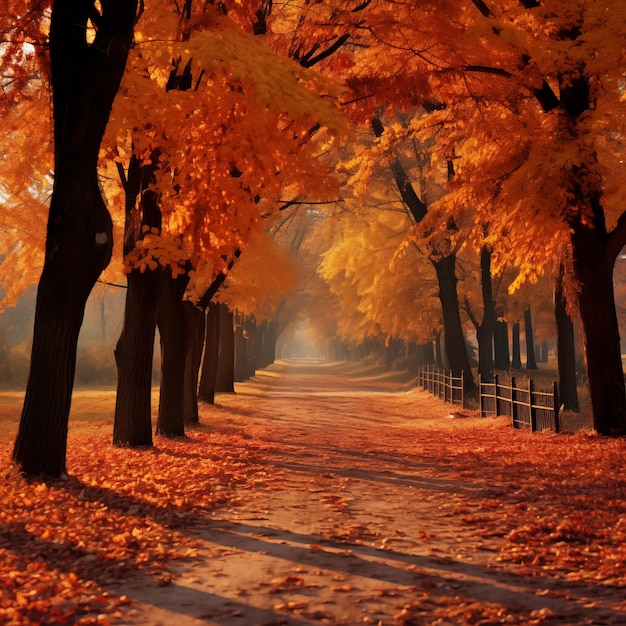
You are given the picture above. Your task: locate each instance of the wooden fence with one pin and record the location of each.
(528, 408)
(442, 384)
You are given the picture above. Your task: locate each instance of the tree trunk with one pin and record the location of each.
(438, 351)
(501, 345)
(85, 79)
(593, 266)
(543, 351)
(267, 340)
(206, 391)
(531, 362)
(566, 353)
(225, 380)
(456, 350)
(485, 331)
(170, 315)
(252, 347)
(194, 339)
(516, 362)
(241, 353)
(132, 425)
(425, 353)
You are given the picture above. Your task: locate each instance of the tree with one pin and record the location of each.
(85, 77)
(547, 74)
(527, 92)
(198, 194)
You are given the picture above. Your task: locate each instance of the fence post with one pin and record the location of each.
(441, 388)
(480, 396)
(533, 416)
(440, 378)
(463, 388)
(513, 403)
(555, 400)
(449, 388)
(496, 394)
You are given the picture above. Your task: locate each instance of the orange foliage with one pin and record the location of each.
(231, 146)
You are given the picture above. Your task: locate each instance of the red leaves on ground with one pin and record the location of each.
(122, 513)
(558, 500)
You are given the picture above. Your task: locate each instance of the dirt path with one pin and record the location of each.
(349, 525)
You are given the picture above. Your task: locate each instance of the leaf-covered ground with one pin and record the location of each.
(318, 496)
(66, 546)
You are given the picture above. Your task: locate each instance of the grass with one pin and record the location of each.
(92, 410)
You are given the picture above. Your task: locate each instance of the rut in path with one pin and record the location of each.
(355, 519)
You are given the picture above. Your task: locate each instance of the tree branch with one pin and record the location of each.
(122, 173)
(485, 69)
(308, 60)
(467, 307)
(203, 302)
(483, 8)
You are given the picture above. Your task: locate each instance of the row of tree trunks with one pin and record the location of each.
(186, 342)
(218, 372)
(494, 332)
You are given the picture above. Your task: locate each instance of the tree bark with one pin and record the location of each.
(241, 353)
(225, 380)
(426, 353)
(438, 351)
(502, 360)
(85, 79)
(132, 424)
(193, 325)
(267, 341)
(593, 266)
(170, 315)
(485, 330)
(566, 352)
(456, 350)
(531, 362)
(252, 347)
(206, 391)
(516, 362)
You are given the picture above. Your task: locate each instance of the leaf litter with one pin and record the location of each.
(413, 519)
